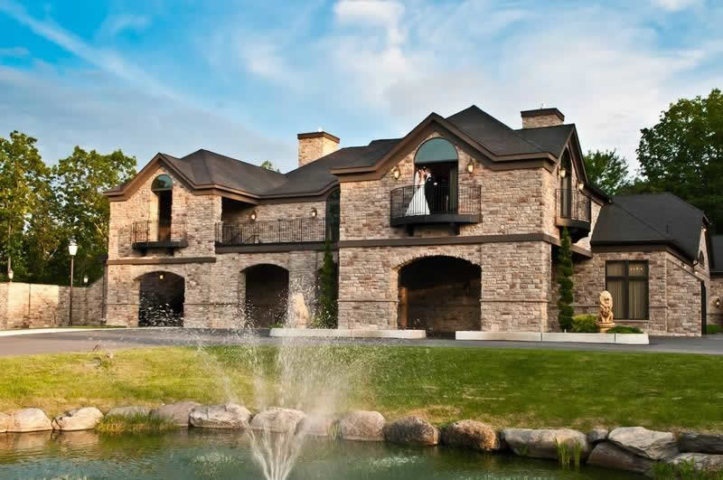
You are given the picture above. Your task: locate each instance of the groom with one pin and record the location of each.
(430, 191)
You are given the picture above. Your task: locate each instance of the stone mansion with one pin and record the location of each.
(454, 226)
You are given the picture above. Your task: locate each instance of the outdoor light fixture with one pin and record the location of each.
(314, 213)
(85, 279)
(253, 216)
(717, 302)
(396, 173)
(72, 247)
(580, 185)
(470, 167)
(11, 274)
(563, 173)
(72, 250)
(160, 277)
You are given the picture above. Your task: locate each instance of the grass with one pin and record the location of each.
(505, 387)
(713, 329)
(138, 423)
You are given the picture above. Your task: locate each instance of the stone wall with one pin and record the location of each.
(24, 305)
(715, 292)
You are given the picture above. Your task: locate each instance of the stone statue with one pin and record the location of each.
(299, 312)
(605, 317)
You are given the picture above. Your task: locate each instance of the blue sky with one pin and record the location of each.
(243, 78)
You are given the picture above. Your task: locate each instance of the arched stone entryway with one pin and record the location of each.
(161, 299)
(267, 295)
(439, 294)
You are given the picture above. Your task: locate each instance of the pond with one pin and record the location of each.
(193, 454)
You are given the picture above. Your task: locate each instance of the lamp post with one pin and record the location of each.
(11, 274)
(72, 250)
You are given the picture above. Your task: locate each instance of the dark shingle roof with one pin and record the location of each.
(551, 139)
(716, 253)
(650, 219)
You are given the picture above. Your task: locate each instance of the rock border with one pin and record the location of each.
(633, 449)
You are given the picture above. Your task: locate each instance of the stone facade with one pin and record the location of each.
(715, 301)
(313, 146)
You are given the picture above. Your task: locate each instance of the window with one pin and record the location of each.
(333, 215)
(701, 259)
(627, 282)
(162, 183)
(162, 186)
(435, 150)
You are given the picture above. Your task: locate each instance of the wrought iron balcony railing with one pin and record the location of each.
(277, 232)
(147, 234)
(437, 204)
(572, 204)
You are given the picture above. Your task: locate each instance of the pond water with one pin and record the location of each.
(216, 455)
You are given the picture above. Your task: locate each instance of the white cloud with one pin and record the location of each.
(675, 5)
(14, 52)
(116, 24)
(386, 14)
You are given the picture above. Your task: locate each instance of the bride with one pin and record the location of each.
(418, 205)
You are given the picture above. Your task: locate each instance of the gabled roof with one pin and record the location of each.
(662, 219)
(716, 254)
(550, 139)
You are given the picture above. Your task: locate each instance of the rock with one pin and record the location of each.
(4, 422)
(411, 431)
(231, 416)
(700, 461)
(597, 435)
(645, 443)
(318, 426)
(79, 419)
(362, 425)
(543, 443)
(700, 442)
(607, 455)
(278, 420)
(29, 420)
(472, 434)
(129, 411)
(175, 412)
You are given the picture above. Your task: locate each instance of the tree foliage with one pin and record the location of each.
(269, 165)
(683, 154)
(607, 170)
(564, 280)
(327, 312)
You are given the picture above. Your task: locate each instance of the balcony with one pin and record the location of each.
(410, 207)
(149, 235)
(277, 232)
(573, 210)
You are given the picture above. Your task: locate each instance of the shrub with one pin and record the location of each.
(327, 312)
(564, 280)
(585, 324)
(713, 329)
(624, 329)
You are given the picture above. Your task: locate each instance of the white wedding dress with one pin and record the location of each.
(418, 205)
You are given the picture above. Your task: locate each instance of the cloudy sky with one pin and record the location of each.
(244, 77)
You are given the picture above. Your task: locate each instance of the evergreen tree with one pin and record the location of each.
(328, 291)
(564, 280)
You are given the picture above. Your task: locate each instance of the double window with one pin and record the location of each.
(627, 282)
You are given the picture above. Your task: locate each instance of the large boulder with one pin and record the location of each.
(133, 411)
(412, 431)
(472, 434)
(597, 435)
(544, 443)
(700, 461)
(645, 443)
(79, 419)
(229, 416)
(607, 455)
(4, 422)
(278, 420)
(176, 413)
(29, 420)
(700, 442)
(362, 425)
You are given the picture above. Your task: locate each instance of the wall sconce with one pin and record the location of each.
(470, 166)
(580, 185)
(253, 216)
(85, 279)
(396, 173)
(563, 173)
(314, 213)
(160, 277)
(717, 303)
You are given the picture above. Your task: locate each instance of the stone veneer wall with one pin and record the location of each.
(24, 305)
(715, 314)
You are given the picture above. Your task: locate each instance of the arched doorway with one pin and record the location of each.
(267, 295)
(162, 295)
(440, 295)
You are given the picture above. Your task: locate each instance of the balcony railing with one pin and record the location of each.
(572, 204)
(147, 234)
(277, 232)
(439, 204)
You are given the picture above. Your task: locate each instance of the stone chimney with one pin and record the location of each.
(542, 117)
(313, 146)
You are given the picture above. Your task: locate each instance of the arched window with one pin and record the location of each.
(566, 185)
(162, 183)
(436, 150)
(162, 186)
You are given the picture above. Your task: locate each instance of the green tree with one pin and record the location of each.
(269, 165)
(24, 185)
(607, 170)
(83, 211)
(683, 153)
(564, 280)
(327, 311)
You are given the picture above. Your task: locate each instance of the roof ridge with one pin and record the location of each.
(532, 144)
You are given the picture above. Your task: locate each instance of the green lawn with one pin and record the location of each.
(531, 388)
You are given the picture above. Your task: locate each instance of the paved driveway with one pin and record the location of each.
(85, 341)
